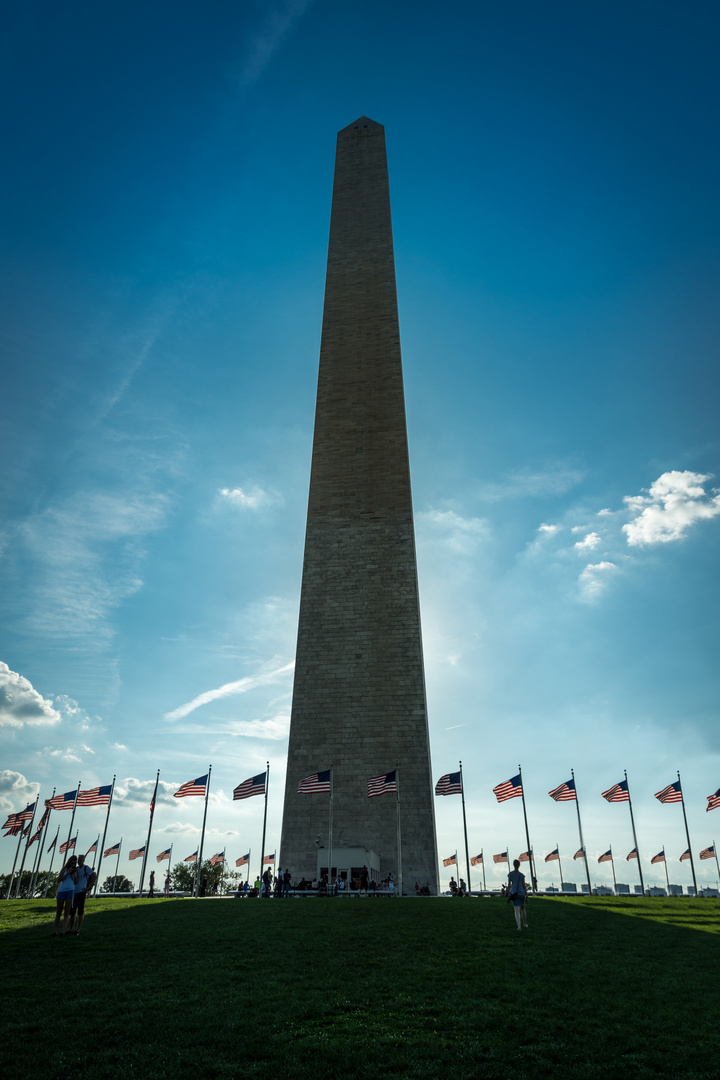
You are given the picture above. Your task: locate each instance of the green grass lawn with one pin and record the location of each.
(356, 988)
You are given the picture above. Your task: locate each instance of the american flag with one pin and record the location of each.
(193, 787)
(137, 853)
(632, 855)
(671, 793)
(617, 793)
(193, 857)
(62, 802)
(35, 836)
(708, 852)
(502, 857)
(317, 784)
(449, 784)
(606, 857)
(713, 801)
(476, 859)
(164, 855)
(378, 785)
(26, 830)
(114, 850)
(564, 793)
(554, 856)
(52, 845)
(243, 860)
(97, 796)
(91, 849)
(580, 853)
(524, 856)
(19, 817)
(254, 786)
(11, 820)
(452, 861)
(509, 789)
(269, 859)
(660, 857)
(13, 830)
(220, 857)
(68, 845)
(685, 855)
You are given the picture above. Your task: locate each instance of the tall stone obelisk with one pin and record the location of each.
(359, 691)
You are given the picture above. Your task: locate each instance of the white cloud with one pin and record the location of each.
(229, 689)
(21, 704)
(555, 479)
(675, 501)
(86, 558)
(589, 543)
(549, 530)
(140, 792)
(68, 754)
(118, 746)
(16, 790)
(275, 728)
(249, 498)
(454, 531)
(594, 579)
(279, 21)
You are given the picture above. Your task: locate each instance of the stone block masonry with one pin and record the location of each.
(359, 690)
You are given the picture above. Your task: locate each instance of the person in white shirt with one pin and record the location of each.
(84, 881)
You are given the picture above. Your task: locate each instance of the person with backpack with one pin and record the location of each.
(517, 894)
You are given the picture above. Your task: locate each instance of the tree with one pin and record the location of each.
(117, 884)
(182, 876)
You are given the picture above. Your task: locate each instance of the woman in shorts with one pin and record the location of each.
(517, 894)
(66, 891)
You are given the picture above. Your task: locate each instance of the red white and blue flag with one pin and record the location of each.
(21, 816)
(114, 850)
(713, 801)
(564, 793)
(476, 859)
(660, 857)
(269, 859)
(554, 856)
(509, 789)
(193, 787)
(685, 855)
(671, 793)
(449, 784)
(606, 856)
(632, 855)
(137, 853)
(708, 852)
(68, 845)
(243, 860)
(452, 861)
(524, 856)
(254, 786)
(617, 793)
(91, 849)
(317, 784)
(97, 796)
(220, 857)
(378, 785)
(580, 853)
(164, 855)
(502, 857)
(41, 826)
(53, 844)
(62, 802)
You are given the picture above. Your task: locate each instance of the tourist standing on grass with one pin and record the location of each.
(517, 894)
(167, 884)
(151, 885)
(85, 878)
(65, 893)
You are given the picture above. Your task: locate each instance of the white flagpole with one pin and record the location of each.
(632, 822)
(467, 850)
(117, 866)
(399, 836)
(146, 853)
(582, 842)
(482, 856)
(612, 863)
(27, 844)
(52, 860)
(687, 833)
(42, 840)
(202, 835)
(102, 846)
(72, 819)
(262, 846)
(330, 830)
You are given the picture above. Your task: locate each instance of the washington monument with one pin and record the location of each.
(359, 691)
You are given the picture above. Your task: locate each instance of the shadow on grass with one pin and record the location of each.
(161, 988)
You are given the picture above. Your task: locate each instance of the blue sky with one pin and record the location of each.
(554, 175)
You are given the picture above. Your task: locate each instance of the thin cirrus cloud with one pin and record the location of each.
(674, 502)
(278, 23)
(241, 686)
(594, 579)
(249, 498)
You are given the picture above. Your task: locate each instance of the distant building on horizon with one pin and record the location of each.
(359, 692)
